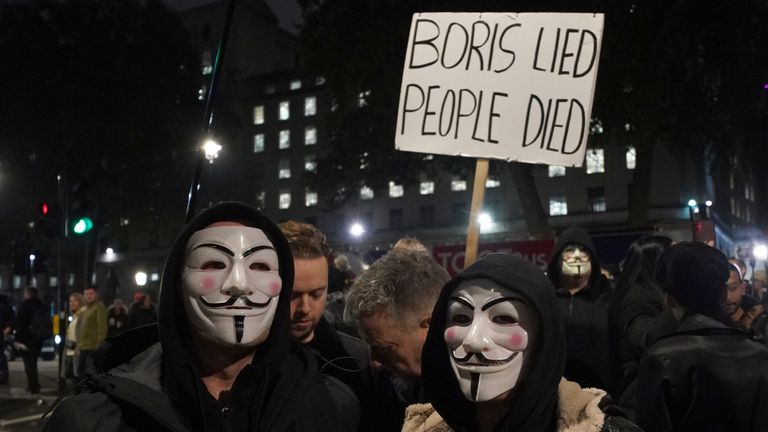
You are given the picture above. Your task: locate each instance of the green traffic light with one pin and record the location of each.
(82, 225)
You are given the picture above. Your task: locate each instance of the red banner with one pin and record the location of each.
(536, 251)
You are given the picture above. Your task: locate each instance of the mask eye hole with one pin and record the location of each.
(461, 319)
(259, 266)
(213, 265)
(504, 320)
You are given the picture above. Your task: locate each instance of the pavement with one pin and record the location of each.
(21, 411)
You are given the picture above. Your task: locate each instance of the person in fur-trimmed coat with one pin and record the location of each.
(494, 359)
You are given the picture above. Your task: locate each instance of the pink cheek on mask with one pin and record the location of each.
(275, 288)
(208, 284)
(516, 341)
(450, 336)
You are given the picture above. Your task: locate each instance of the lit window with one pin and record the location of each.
(556, 171)
(285, 139)
(492, 183)
(395, 190)
(427, 188)
(595, 161)
(631, 157)
(206, 63)
(558, 206)
(258, 114)
(310, 164)
(733, 205)
(270, 89)
(320, 80)
(732, 181)
(366, 193)
(746, 192)
(154, 277)
(284, 170)
(258, 143)
(261, 199)
(596, 196)
(285, 199)
(458, 185)
(310, 135)
(295, 84)
(310, 106)
(310, 198)
(362, 98)
(285, 110)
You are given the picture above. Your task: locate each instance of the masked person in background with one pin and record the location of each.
(494, 357)
(221, 357)
(584, 300)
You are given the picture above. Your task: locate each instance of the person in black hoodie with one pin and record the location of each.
(494, 357)
(221, 357)
(584, 299)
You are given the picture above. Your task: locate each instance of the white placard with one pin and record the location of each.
(512, 86)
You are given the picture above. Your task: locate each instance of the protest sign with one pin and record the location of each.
(511, 86)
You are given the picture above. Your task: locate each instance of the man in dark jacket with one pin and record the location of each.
(7, 323)
(494, 358)
(221, 357)
(340, 355)
(584, 298)
(34, 326)
(700, 375)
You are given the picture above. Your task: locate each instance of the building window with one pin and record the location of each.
(295, 84)
(395, 218)
(258, 143)
(427, 188)
(258, 114)
(596, 196)
(631, 157)
(310, 135)
(595, 161)
(395, 190)
(310, 106)
(270, 89)
(366, 193)
(261, 199)
(427, 216)
(285, 110)
(285, 200)
(310, 198)
(285, 139)
(558, 206)
(206, 63)
(284, 171)
(458, 185)
(491, 182)
(556, 171)
(310, 163)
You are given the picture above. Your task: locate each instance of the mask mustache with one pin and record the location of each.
(483, 360)
(232, 301)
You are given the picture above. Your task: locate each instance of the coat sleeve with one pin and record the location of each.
(653, 396)
(84, 413)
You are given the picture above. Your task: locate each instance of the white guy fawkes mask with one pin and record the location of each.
(485, 338)
(576, 261)
(230, 283)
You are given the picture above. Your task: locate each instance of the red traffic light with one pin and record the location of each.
(45, 208)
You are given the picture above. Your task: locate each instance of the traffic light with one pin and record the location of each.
(80, 206)
(49, 218)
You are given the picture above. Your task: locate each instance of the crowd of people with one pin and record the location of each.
(247, 340)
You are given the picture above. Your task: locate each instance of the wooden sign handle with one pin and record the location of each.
(478, 193)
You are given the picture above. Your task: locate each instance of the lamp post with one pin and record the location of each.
(692, 204)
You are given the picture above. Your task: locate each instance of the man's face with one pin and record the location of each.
(396, 348)
(576, 261)
(90, 295)
(308, 296)
(734, 293)
(487, 334)
(231, 284)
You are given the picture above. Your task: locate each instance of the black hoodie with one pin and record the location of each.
(585, 314)
(535, 408)
(281, 390)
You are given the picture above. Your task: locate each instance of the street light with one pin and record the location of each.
(141, 278)
(486, 221)
(761, 252)
(211, 149)
(357, 229)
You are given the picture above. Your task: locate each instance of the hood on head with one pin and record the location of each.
(535, 405)
(572, 235)
(175, 334)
